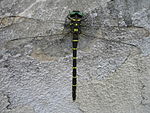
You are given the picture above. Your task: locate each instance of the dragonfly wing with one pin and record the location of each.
(107, 40)
(17, 27)
(44, 37)
(96, 22)
(116, 33)
(41, 47)
(10, 20)
(57, 47)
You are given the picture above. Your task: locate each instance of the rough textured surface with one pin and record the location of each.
(113, 77)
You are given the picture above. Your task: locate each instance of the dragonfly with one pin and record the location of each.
(78, 25)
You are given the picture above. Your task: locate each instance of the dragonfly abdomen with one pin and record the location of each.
(74, 73)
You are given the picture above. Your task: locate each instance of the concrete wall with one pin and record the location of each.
(36, 71)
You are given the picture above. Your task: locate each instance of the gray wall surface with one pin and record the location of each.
(113, 65)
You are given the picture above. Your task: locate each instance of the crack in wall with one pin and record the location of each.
(9, 102)
(81, 110)
(141, 93)
(79, 104)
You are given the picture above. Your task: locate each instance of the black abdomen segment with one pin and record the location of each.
(74, 73)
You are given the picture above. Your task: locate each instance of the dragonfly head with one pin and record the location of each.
(75, 15)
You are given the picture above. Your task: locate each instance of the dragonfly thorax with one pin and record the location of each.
(75, 18)
(75, 27)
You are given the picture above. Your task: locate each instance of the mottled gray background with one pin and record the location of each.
(35, 75)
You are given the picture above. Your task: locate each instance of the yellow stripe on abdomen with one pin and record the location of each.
(74, 67)
(74, 48)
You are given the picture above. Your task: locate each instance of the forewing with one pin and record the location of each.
(98, 22)
(17, 26)
(42, 37)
